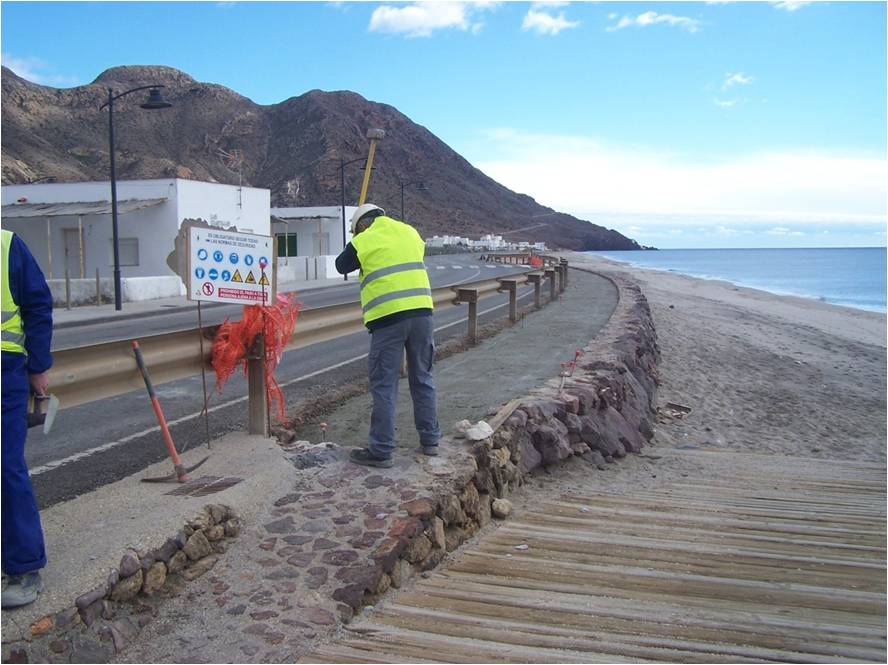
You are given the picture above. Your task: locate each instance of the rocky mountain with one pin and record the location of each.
(292, 148)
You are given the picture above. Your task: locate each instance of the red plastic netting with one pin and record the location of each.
(234, 340)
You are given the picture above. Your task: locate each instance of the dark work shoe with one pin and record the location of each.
(428, 451)
(363, 457)
(22, 590)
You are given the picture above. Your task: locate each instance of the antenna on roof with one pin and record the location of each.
(234, 160)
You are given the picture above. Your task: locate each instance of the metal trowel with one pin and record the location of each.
(42, 410)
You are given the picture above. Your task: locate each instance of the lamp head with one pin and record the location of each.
(155, 100)
(376, 134)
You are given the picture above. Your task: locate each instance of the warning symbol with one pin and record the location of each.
(236, 277)
(208, 289)
(250, 279)
(264, 279)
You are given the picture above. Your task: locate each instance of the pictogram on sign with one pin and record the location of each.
(250, 279)
(264, 279)
(236, 277)
(208, 289)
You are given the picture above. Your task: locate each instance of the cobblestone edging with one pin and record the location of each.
(104, 619)
(602, 412)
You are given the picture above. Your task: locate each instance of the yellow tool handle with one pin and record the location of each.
(367, 170)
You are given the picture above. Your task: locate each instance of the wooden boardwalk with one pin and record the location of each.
(761, 558)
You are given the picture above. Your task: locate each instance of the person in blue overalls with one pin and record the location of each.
(26, 339)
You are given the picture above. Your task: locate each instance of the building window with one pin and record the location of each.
(287, 244)
(129, 251)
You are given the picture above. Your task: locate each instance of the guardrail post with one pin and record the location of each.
(67, 289)
(553, 294)
(536, 278)
(98, 290)
(258, 404)
(564, 265)
(561, 277)
(511, 285)
(470, 296)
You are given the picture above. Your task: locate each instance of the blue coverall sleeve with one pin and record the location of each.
(347, 261)
(31, 293)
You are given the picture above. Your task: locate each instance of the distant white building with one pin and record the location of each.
(67, 226)
(487, 242)
(447, 241)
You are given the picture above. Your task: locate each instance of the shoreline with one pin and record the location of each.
(777, 292)
(763, 373)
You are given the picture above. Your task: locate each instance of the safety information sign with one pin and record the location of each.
(230, 267)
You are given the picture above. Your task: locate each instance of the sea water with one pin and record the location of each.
(854, 276)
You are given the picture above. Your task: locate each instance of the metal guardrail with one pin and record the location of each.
(91, 373)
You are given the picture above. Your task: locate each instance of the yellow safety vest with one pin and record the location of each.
(12, 336)
(393, 275)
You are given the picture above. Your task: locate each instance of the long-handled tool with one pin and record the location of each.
(181, 472)
(375, 136)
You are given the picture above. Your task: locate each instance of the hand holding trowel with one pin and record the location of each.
(42, 410)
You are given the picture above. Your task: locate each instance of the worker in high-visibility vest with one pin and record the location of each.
(396, 300)
(26, 338)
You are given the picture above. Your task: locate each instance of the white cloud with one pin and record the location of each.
(653, 18)
(34, 70)
(421, 19)
(725, 103)
(783, 231)
(738, 78)
(584, 176)
(790, 5)
(546, 24)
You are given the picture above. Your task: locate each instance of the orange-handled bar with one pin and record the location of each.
(181, 474)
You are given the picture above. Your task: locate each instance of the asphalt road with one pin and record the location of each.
(443, 271)
(98, 443)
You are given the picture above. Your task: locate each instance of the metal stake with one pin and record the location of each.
(203, 376)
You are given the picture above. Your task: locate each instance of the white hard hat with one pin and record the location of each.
(361, 211)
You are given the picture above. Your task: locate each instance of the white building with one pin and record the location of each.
(309, 240)
(447, 241)
(67, 226)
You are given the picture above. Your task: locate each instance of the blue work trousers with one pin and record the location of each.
(22, 542)
(387, 346)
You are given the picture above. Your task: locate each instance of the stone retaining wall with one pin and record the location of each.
(602, 412)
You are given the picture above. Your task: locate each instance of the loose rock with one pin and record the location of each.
(501, 508)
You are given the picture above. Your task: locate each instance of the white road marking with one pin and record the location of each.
(55, 464)
(457, 267)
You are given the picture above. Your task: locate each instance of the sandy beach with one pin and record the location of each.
(762, 372)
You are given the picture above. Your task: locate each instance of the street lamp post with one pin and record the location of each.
(342, 165)
(419, 185)
(155, 101)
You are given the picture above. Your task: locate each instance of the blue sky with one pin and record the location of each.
(679, 124)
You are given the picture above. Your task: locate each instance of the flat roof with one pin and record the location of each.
(80, 208)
